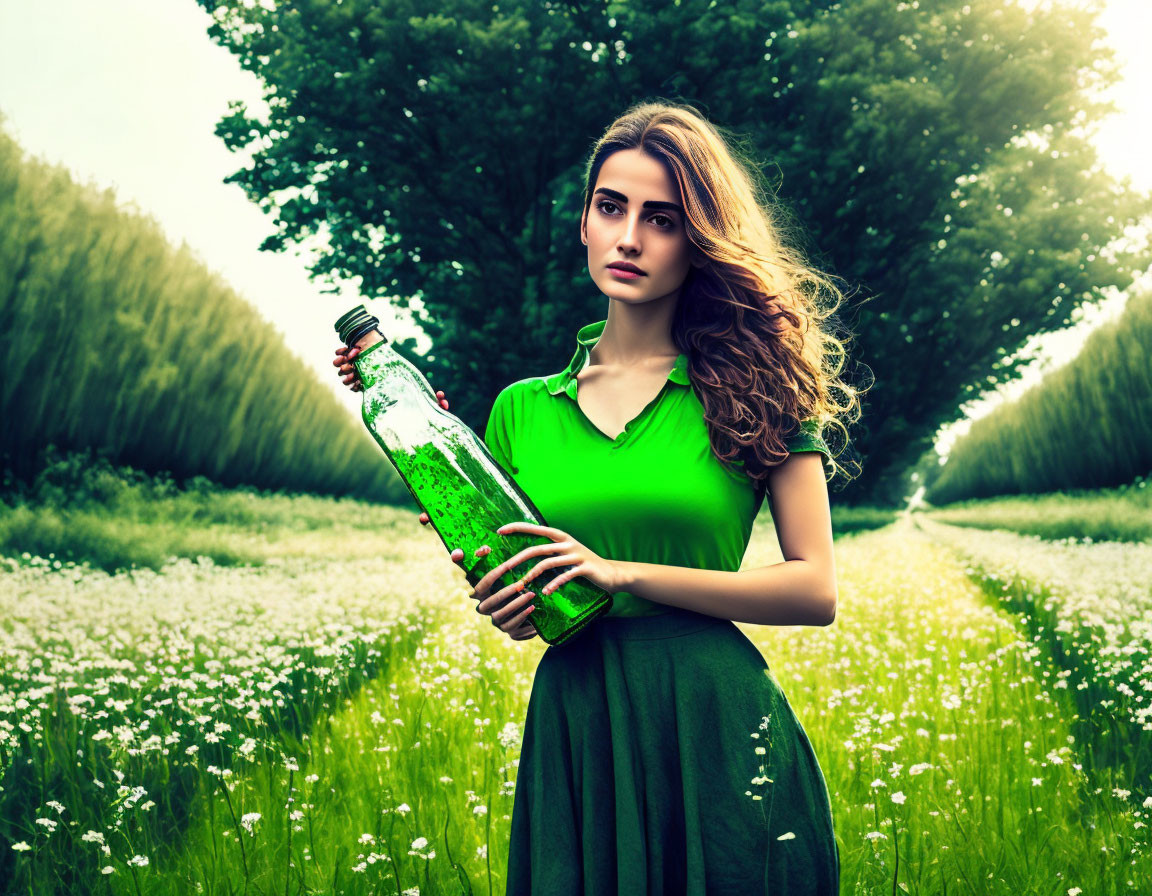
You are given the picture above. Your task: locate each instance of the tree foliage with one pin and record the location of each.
(934, 155)
(1036, 444)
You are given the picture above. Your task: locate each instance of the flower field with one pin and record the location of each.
(340, 720)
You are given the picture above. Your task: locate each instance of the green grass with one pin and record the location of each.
(84, 510)
(347, 693)
(847, 520)
(1090, 605)
(1115, 514)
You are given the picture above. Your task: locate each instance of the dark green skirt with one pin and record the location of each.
(638, 756)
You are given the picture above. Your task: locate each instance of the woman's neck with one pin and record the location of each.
(635, 335)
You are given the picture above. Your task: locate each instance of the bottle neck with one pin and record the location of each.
(375, 353)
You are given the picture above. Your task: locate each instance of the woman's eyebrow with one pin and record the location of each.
(652, 203)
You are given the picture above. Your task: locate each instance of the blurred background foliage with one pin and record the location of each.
(116, 343)
(935, 156)
(1084, 426)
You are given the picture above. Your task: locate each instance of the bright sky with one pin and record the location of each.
(126, 94)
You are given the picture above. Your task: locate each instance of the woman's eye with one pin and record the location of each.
(612, 205)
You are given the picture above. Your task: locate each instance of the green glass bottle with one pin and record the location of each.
(455, 479)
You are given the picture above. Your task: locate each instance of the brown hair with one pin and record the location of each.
(752, 318)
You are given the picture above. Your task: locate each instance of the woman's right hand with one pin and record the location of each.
(344, 358)
(508, 607)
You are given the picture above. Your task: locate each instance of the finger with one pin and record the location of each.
(492, 602)
(424, 520)
(524, 628)
(560, 581)
(457, 555)
(501, 616)
(550, 563)
(516, 620)
(482, 551)
(511, 563)
(533, 529)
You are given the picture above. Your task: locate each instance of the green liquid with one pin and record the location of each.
(465, 492)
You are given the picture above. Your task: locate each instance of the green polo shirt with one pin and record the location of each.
(654, 494)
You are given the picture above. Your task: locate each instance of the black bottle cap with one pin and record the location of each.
(353, 325)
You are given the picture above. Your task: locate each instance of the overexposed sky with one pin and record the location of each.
(126, 94)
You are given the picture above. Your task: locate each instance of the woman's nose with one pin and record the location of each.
(630, 237)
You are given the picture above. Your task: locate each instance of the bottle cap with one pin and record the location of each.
(354, 324)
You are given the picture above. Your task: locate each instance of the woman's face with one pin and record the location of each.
(619, 228)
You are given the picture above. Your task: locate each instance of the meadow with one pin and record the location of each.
(1122, 514)
(1091, 604)
(339, 719)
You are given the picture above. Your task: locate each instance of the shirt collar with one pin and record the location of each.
(586, 337)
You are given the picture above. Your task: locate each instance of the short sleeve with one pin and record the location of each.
(809, 439)
(498, 432)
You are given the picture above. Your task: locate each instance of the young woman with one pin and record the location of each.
(659, 754)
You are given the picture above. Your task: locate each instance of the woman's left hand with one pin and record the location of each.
(565, 551)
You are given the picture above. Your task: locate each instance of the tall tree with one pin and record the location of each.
(933, 153)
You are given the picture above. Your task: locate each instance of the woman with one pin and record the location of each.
(659, 755)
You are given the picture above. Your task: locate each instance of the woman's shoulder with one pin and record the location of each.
(526, 389)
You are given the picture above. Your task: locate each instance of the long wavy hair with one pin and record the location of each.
(754, 319)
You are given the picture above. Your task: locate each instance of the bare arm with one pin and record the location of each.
(800, 591)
